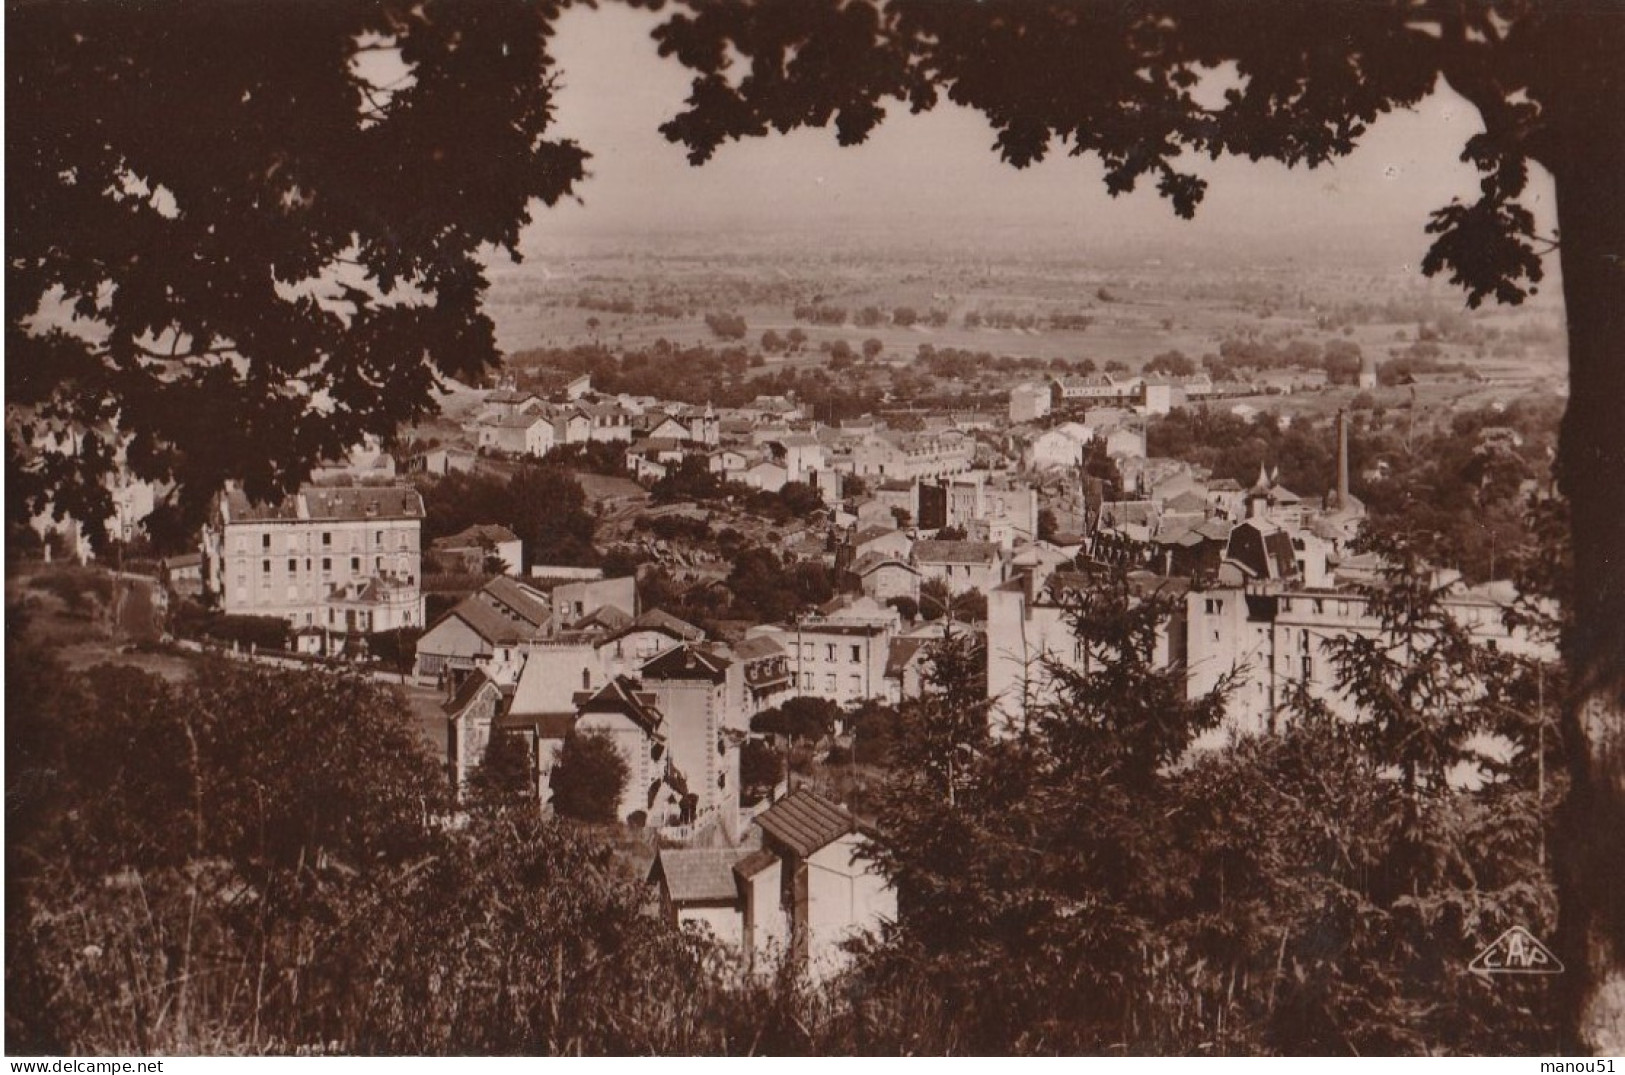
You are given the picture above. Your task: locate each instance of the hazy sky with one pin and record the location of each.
(934, 176)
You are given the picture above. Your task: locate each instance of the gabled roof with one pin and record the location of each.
(516, 599)
(466, 693)
(604, 617)
(697, 875)
(805, 822)
(624, 696)
(488, 620)
(1128, 512)
(686, 662)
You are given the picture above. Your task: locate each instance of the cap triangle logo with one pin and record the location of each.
(1516, 952)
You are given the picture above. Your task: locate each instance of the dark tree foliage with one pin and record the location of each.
(1115, 81)
(1029, 866)
(1324, 915)
(588, 778)
(1171, 363)
(542, 504)
(1415, 684)
(764, 587)
(1087, 883)
(691, 479)
(230, 239)
(804, 718)
(761, 767)
(506, 775)
(259, 863)
(594, 457)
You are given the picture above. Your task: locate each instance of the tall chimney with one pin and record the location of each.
(1342, 461)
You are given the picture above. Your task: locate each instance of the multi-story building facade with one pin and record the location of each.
(1030, 631)
(1276, 643)
(843, 662)
(908, 456)
(961, 565)
(698, 692)
(294, 559)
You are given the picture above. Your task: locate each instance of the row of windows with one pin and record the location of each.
(299, 541)
(854, 684)
(809, 652)
(327, 565)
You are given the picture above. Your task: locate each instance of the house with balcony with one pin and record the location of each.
(294, 558)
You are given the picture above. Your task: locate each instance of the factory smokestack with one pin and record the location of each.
(1342, 461)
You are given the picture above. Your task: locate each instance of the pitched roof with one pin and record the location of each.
(509, 395)
(622, 695)
(870, 533)
(698, 875)
(465, 694)
(754, 649)
(324, 503)
(754, 863)
(1187, 501)
(805, 821)
(607, 617)
(488, 620)
(551, 676)
(545, 725)
(687, 662)
(522, 420)
(516, 599)
(662, 620)
(871, 561)
(475, 536)
(955, 552)
(901, 652)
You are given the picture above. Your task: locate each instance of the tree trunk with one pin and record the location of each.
(1589, 841)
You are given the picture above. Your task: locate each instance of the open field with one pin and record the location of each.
(625, 299)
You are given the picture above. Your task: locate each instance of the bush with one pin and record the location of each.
(191, 620)
(81, 589)
(395, 649)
